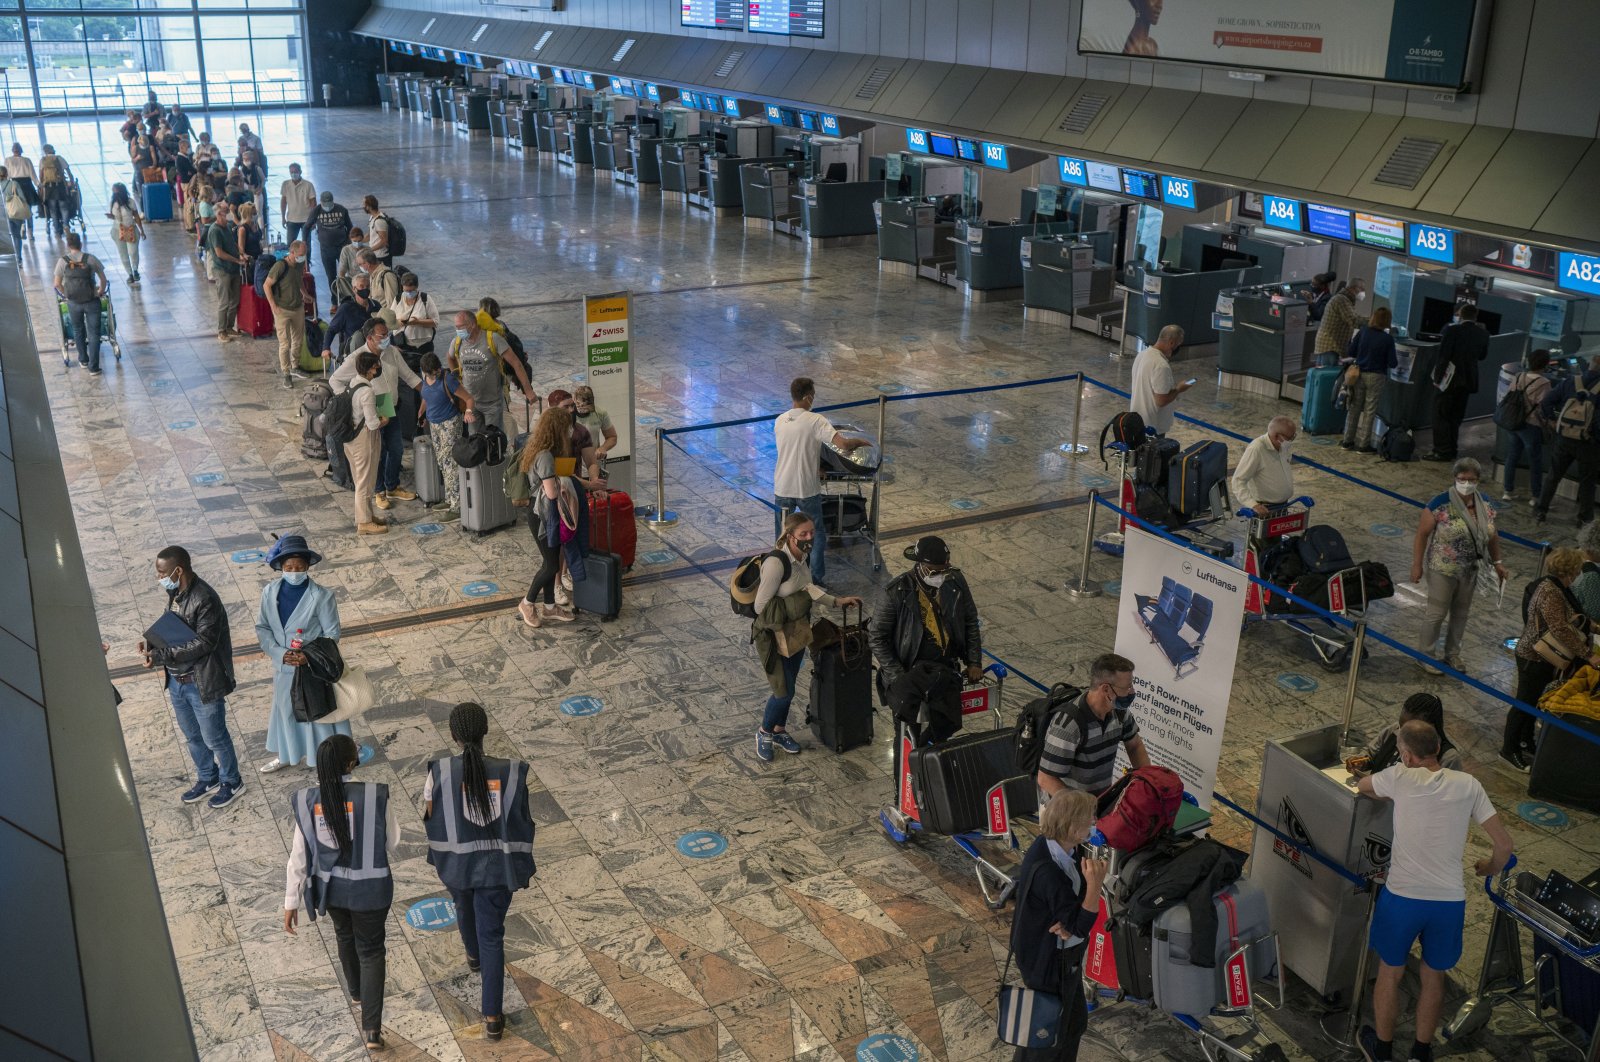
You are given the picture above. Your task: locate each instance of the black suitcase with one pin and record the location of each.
(1131, 945)
(601, 591)
(1152, 460)
(840, 709)
(951, 780)
(1563, 768)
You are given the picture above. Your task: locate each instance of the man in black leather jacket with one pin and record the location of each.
(198, 675)
(924, 633)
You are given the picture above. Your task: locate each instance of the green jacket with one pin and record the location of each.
(792, 616)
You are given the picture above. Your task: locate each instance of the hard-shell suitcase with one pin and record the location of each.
(840, 708)
(157, 198)
(1132, 945)
(1318, 415)
(600, 591)
(1563, 769)
(611, 526)
(952, 780)
(425, 470)
(1193, 474)
(1181, 986)
(255, 313)
(484, 505)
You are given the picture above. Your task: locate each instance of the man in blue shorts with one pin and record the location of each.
(1424, 895)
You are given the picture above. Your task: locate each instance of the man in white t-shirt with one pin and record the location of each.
(1154, 391)
(297, 201)
(1424, 895)
(797, 479)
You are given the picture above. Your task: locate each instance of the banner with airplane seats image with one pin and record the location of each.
(1411, 42)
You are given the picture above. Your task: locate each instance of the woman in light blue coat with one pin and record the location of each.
(293, 608)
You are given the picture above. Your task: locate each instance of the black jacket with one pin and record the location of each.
(210, 653)
(896, 630)
(1462, 344)
(1046, 896)
(1194, 877)
(311, 696)
(348, 320)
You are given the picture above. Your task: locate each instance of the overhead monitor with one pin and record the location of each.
(1386, 234)
(1178, 192)
(713, 14)
(1074, 171)
(1103, 176)
(995, 156)
(710, 102)
(1431, 242)
(1140, 184)
(1281, 213)
(942, 144)
(917, 140)
(966, 150)
(789, 18)
(1328, 221)
(588, 81)
(788, 116)
(774, 114)
(808, 121)
(689, 99)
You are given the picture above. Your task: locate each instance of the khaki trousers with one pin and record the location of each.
(363, 457)
(291, 328)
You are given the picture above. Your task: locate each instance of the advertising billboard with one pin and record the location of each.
(1410, 42)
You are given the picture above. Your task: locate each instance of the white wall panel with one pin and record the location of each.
(1558, 92)
(974, 32)
(939, 30)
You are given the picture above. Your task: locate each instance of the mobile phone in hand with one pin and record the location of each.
(1191, 381)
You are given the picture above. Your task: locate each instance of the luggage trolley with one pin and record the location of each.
(1563, 917)
(1198, 506)
(1005, 793)
(108, 327)
(850, 510)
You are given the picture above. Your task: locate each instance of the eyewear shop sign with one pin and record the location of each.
(1178, 621)
(606, 337)
(1414, 42)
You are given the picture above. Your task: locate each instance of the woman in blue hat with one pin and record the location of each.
(293, 609)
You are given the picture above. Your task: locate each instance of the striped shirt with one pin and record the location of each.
(1081, 750)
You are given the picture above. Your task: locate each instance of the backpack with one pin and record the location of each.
(1322, 550)
(1140, 807)
(78, 280)
(747, 579)
(51, 169)
(1397, 444)
(263, 270)
(397, 236)
(1577, 414)
(339, 419)
(1171, 884)
(518, 352)
(470, 380)
(1513, 411)
(1126, 428)
(1151, 506)
(313, 404)
(515, 483)
(1034, 722)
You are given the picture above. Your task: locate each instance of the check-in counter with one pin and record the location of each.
(989, 256)
(1064, 274)
(575, 147)
(497, 117)
(520, 120)
(609, 147)
(385, 91)
(1407, 398)
(471, 110)
(840, 210)
(417, 95)
(447, 104)
(721, 183)
(644, 160)
(1320, 917)
(441, 101)
(910, 234)
(550, 129)
(680, 166)
(769, 191)
(1264, 352)
(1180, 298)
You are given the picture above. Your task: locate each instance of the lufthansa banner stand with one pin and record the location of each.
(608, 358)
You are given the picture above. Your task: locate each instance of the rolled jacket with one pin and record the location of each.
(312, 692)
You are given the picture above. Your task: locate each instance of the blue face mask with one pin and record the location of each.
(463, 332)
(169, 585)
(1126, 702)
(384, 342)
(296, 578)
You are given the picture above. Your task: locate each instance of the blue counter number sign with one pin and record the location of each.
(1578, 272)
(1178, 192)
(1072, 172)
(1280, 213)
(830, 124)
(994, 156)
(1432, 243)
(917, 140)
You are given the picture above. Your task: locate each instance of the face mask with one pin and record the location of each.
(1125, 702)
(382, 343)
(411, 296)
(295, 578)
(1466, 488)
(75, 256)
(1286, 448)
(295, 177)
(804, 548)
(169, 584)
(1361, 296)
(365, 271)
(358, 243)
(463, 332)
(932, 580)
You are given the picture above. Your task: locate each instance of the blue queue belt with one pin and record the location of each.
(674, 444)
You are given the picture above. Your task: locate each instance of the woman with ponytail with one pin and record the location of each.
(480, 840)
(339, 866)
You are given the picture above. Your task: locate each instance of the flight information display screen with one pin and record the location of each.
(792, 18)
(714, 14)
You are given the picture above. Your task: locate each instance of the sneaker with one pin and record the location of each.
(288, 382)
(1367, 451)
(763, 746)
(1367, 1041)
(788, 744)
(269, 768)
(529, 612)
(563, 596)
(441, 507)
(565, 581)
(95, 371)
(197, 792)
(226, 337)
(372, 529)
(559, 614)
(449, 516)
(1459, 665)
(1428, 669)
(226, 794)
(1515, 759)
(1347, 446)
(381, 500)
(401, 494)
(374, 1039)
(1508, 496)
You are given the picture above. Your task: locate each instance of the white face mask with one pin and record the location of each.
(1361, 296)
(1286, 447)
(1466, 487)
(76, 256)
(411, 296)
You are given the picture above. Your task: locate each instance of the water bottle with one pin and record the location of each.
(297, 642)
(1098, 848)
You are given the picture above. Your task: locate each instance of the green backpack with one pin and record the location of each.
(516, 484)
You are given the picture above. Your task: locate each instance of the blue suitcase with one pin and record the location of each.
(601, 591)
(1318, 415)
(158, 201)
(1191, 477)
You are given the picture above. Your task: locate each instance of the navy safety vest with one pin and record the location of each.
(472, 855)
(359, 881)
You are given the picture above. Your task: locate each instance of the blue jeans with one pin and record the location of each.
(812, 507)
(205, 728)
(294, 229)
(777, 713)
(391, 447)
(86, 331)
(481, 918)
(1530, 440)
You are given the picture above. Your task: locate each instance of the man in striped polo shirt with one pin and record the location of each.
(1080, 746)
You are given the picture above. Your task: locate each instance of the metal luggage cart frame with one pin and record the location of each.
(1287, 521)
(1501, 978)
(852, 485)
(108, 328)
(900, 822)
(1194, 531)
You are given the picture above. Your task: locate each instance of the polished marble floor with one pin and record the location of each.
(811, 931)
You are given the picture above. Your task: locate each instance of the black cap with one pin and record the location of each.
(932, 550)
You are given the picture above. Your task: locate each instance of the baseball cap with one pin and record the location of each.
(932, 550)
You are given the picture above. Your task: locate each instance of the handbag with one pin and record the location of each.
(127, 234)
(353, 694)
(1553, 651)
(1027, 1018)
(153, 175)
(1352, 373)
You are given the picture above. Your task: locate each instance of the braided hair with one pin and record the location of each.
(335, 756)
(468, 725)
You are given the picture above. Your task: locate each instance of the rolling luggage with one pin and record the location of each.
(1133, 947)
(484, 505)
(952, 780)
(1318, 415)
(1563, 768)
(1193, 474)
(255, 313)
(425, 470)
(157, 200)
(611, 526)
(1152, 460)
(600, 591)
(1184, 986)
(840, 709)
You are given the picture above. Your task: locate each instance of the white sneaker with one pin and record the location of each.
(275, 765)
(563, 597)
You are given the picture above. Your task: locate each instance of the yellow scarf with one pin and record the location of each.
(932, 621)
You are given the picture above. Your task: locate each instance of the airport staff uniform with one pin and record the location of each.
(354, 889)
(1264, 475)
(481, 863)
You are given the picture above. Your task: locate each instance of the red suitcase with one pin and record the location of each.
(611, 526)
(255, 313)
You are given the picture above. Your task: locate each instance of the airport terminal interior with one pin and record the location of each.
(965, 221)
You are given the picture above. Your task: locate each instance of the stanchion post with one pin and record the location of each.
(1077, 419)
(1083, 587)
(1357, 650)
(883, 419)
(1358, 991)
(662, 517)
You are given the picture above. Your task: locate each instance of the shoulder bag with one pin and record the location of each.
(1027, 1018)
(353, 695)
